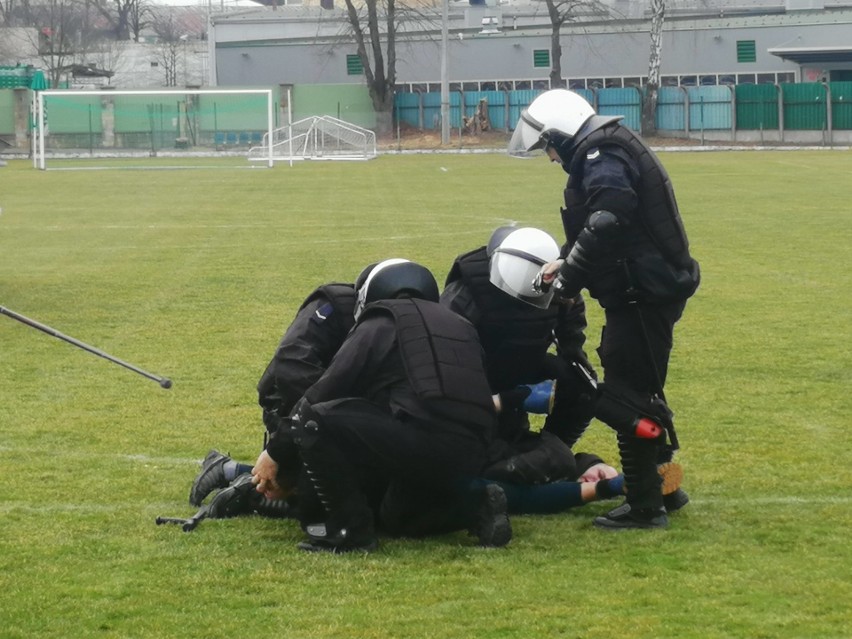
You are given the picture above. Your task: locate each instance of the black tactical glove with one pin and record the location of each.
(513, 400)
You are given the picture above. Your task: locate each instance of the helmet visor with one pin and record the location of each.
(527, 140)
(513, 273)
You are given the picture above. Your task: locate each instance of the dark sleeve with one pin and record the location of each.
(358, 362)
(570, 330)
(305, 351)
(586, 461)
(609, 181)
(458, 298)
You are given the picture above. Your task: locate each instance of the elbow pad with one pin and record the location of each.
(592, 242)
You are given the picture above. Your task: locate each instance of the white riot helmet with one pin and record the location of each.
(516, 255)
(556, 113)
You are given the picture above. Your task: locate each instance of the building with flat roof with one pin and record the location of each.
(507, 46)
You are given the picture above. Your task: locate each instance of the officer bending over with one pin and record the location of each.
(404, 410)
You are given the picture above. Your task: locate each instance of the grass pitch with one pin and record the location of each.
(194, 274)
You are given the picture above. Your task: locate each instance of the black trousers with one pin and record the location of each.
(636, 343)
(635, 347)
(404, 468)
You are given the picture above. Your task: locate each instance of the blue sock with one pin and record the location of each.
(610, 488)
(234, 469)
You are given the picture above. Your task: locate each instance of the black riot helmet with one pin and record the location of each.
(396, 278)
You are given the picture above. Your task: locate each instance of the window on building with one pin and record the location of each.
(746, 51)
(766, 78)
(594, 83)
(434, 87)
(633, 82)
(541, 84)
(612, 83)
(455, 86)
(787, 78)
(354, 65)
(727, 78)
(470, 86)
(523, 85)
(688, 80)
(707, 80)
(576, 83)
(541, 58)
(745, 78)
(487, 86)
(668, 81)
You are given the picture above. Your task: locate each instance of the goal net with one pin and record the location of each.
(173, 128)
(319, 137)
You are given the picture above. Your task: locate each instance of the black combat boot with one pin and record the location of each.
(349, 523)
(643, 507)
(236, 499)
(211, 477)
(491, 525)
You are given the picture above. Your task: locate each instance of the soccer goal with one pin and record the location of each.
(169, 128)
(319, 137)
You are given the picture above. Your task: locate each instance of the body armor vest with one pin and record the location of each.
(650, 260)
(658, 213)
(442, 359)
(514, 335)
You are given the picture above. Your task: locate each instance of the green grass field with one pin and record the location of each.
(194, 274)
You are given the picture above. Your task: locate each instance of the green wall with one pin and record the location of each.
(348, 102)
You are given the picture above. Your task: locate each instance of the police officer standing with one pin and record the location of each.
(626, 244)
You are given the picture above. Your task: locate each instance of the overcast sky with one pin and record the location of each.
(214, 4)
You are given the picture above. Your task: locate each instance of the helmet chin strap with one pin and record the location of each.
(562, 144)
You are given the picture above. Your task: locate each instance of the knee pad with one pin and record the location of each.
(305, 425)
(632, 413)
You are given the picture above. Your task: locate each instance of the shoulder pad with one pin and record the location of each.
(322, 313)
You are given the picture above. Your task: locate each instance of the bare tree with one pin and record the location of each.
(139, 18)
(118, 13)
(15, 13)
(105, 53)
(560, 12)
(379, 66)
(172, 35)
(60, 35)
(649, 104)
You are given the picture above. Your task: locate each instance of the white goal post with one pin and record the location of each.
(115, 126)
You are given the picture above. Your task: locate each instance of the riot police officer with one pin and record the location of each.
(491, 287)
(317, 331)
(627, 246)
(404, 406)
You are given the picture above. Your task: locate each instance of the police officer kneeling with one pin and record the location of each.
(404, 411)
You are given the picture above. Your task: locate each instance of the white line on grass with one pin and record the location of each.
(56, 507)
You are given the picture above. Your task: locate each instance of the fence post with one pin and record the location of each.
(733, 112)
(829, 120)
(506, 104)
(420, 115)
(780, 99)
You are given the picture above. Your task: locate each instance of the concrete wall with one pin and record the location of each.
(260, 51)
